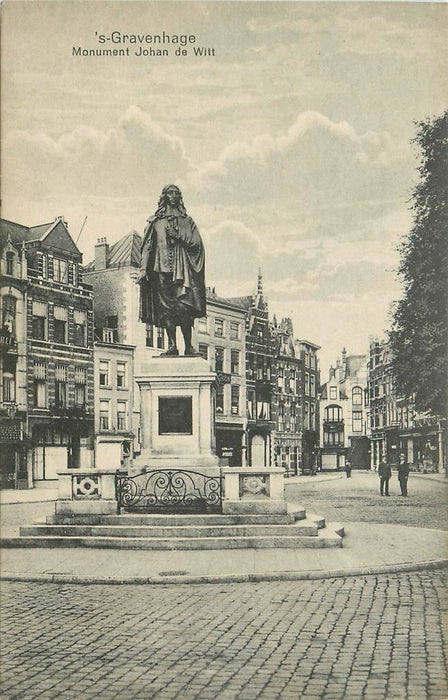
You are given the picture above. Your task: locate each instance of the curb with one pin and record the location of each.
(229, 578)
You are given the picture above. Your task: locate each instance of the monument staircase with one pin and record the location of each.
(294, 529)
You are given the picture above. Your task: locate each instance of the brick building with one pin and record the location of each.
(260, 356)
(288, 399)
(53, 379)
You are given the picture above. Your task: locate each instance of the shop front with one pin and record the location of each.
(229, 444)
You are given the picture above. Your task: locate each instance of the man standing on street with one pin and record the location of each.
(403, 474)
(384, 472)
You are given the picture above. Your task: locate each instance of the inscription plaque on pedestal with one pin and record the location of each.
(175, 415)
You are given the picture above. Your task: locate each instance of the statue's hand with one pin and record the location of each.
(141, 276)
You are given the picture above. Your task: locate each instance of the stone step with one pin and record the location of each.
(330, 540)
(163, 519)
(302, 527)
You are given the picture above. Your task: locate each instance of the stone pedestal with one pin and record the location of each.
(86, 492)
(253, 490)
(177, 414)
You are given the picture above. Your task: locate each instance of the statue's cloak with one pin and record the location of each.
(174, 287)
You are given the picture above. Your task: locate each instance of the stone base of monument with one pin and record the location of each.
(177, 409)
(252, 490)
(85, 492)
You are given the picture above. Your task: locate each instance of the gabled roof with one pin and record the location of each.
(125, 252)
(54, 233)
(17, 232)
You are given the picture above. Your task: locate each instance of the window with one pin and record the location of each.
(234, 330)
(60, 324)
(121, 415)
(293, 417)
(104, 372)
(357, 396)
(80, 395)
(202, 325)
(263, 410)
(313, 416)
(80, 386)
(307, 360)
(313, 385)
(80, 327)
(9, 315)
(10, 263)
(235, 399)
(251, 404)
(307, 383)
(333, 413)
(122, 381)
(39, 320)
(219, 359)
(333, 438)
(60, 270)
(307, 416)
(149, 335)
(333, 392)
(280, 374)
(60, 376)
(104, 414)
(219, 327)
(9, 387)
(281, 416)
(260, 332)
(234, 361)
(112, 322)
(203, 350)
(220, 399)
(40, 385)
(160, 338)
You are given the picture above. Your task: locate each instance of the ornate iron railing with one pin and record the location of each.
(169, 490)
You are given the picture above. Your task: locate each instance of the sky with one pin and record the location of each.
(290, 138)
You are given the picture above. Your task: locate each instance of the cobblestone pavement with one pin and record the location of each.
(377, 637)
(357, 500)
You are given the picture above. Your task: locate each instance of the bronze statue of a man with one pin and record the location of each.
(172, 285)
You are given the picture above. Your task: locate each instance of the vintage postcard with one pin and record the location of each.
(204, 241)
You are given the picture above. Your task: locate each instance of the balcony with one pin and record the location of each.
(8, 344)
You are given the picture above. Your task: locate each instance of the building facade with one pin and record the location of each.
(260, 378)
(394, 425)
(114, 404)
(307, 353)
(220, 339)
(287, 399)
(55, 366)
(343, 415)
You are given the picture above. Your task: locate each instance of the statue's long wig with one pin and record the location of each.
(161, 207)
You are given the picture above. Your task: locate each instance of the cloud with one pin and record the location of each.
(122, 161)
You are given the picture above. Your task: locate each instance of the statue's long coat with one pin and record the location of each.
(174, 287)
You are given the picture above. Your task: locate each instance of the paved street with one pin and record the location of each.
(367, 637)
(371, 636)
(357, 500)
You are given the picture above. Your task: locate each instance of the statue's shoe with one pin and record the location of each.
(191, 352)
(171, 352)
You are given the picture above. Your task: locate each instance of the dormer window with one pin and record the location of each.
(10, 263)
(60, 270)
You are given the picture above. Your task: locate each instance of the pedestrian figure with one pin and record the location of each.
(403, 474)
(348, 468)
(384, 472)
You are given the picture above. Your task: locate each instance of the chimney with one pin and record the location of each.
(102, 254)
